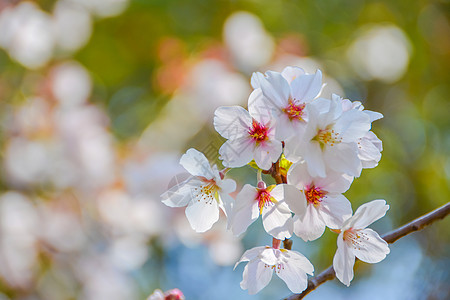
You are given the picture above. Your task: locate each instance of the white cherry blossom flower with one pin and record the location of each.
(369, 146)
(326, 206)
(285, 96)
(290, 266)
(330, 139)
(250, 136)
(355, 240)
(203, 193)
(270, 202)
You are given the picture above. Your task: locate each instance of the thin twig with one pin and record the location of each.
(389, 237)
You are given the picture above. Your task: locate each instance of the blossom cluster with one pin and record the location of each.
(314, 147)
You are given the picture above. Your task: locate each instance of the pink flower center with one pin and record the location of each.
(314, 195)
(264, 199)
(354, 237)
(258, 132)
(294, 111)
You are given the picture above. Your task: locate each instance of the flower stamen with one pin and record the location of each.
(314, 195)
(258, 132)
(294, 111)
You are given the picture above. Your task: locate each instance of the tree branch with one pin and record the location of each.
(389, 237)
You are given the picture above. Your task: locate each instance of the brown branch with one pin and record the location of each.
(389, 237)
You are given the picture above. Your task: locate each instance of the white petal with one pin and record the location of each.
(260, 108)
(373, 115)
(202, 215)
(237, 153)
(256, 276)
(343, 158)
(180, 194)
(256, 79)
(267, 153)
(315, 160)
(277, 220)
(369, 150)
(226, 204)
(334, 182)
(250, 254)
(245, 210)
(352, 125)
(196, 163)
(368, 213)
(275, 88)
(286, 128)
(311, 227)
(298, 175)
(371, 247)
(294, 277)
(268, 256)
(294, 198)
(290, 73)
(300, 261)
(334, 210)
(343, 261)
(226, 185)
(232, 122)
(306, 87)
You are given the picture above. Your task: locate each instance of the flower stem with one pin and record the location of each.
(276, 243)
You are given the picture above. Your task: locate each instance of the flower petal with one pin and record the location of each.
(245, 210)
(352, 125)
(277, 220)
(298, 175)
(196, 164)
(251, 254)
(256, 276)
(311, 226)
(343, 261)
(300, 261)
(226, 203)
(368, 213)
(334, 182)
(315, 160)
(334, 210)
(371, 247)
(343, 157)
(290, 73)
(202, 215)
(260, 108)
(267, 153)
(294, 277)
(275, 88)
(236, 153)
(227, 185)
(232, 122)
(306, 87)
(180, 194)
(295, 199)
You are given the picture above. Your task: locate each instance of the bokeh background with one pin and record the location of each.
(99, 98)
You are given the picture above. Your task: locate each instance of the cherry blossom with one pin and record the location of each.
(250, 136)
(330, 138)
(326, 206)
(355, 240)
(290, 266)
(203, 193)
(270, 202)
(369, 146)
(285, 95)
